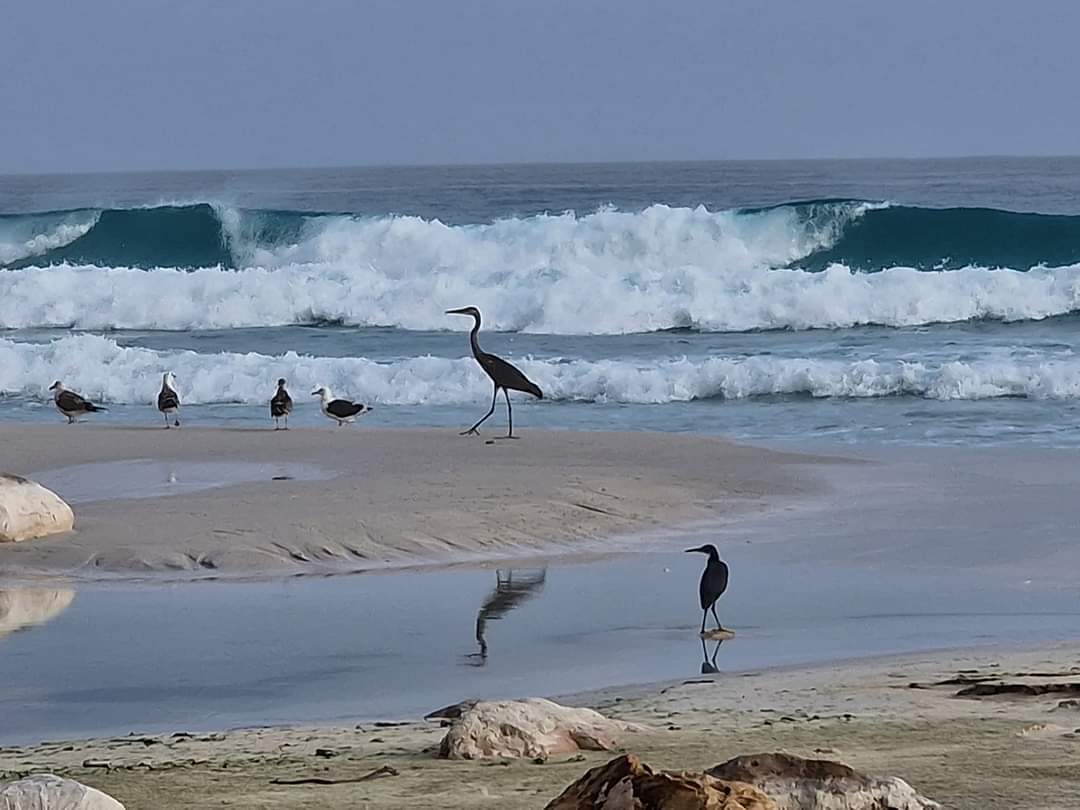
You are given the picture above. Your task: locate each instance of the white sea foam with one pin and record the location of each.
(609, 272)
(99, 367)
(26, 237)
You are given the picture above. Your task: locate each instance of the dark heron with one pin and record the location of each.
(714, 581)
(71, 404)
(168, 401)
(503, 375)
(281, 405)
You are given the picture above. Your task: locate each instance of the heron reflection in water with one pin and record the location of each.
(512, 587)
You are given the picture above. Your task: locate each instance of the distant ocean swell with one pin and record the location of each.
(823, 264)
(101, 368)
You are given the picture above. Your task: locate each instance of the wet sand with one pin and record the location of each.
(389, 498)
(969, 754)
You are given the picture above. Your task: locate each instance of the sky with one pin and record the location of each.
(119, 85)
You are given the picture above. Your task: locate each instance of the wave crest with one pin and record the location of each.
(101, 368)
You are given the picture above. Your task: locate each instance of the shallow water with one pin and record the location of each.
(378, 646)
(145, 478)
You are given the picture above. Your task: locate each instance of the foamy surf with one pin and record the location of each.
(101, 368)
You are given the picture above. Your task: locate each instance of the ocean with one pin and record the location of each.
(896, 301)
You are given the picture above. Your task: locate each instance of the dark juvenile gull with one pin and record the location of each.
(71, 404)
(168, 401)
(281, 405)
(340, 410)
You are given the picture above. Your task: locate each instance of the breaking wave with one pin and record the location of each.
(101, 368)
(823, 264)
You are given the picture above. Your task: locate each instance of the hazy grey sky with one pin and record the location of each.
(148, 84)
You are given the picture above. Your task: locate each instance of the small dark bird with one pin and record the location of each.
(505, 376)
(341, 410)
(714, 581)
(281, 405)
(168, 401)
(71, 404)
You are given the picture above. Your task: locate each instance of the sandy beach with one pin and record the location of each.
(886, 717)
(384, 498)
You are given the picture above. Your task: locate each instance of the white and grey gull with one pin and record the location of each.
(281, 405)
(70, 404)
(340, 410)
(168, 401)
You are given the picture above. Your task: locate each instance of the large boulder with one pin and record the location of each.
(48, 792)
(29, 510)
(626, 783)
(22, 607)
(795, 783)
(534, 728)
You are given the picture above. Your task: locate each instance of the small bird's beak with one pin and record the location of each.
(315, 393)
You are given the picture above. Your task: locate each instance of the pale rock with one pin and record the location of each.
(626, 783)
(533, 728)
(48, 792)
(29, 510)
(22, 607)
(794, 783)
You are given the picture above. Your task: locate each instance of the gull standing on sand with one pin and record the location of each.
(168, 401)
(71, 404)
(341, 410)
(281, 405)
(505, 376)
(714, 581)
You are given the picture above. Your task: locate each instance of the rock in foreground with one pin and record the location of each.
(626, 783)
(48, 792)
(794, 783)
(29, 510)
(532, 728)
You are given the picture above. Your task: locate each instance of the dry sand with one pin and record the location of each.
(969, 754)
(397, 497)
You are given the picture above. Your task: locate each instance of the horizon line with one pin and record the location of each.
(535, 163)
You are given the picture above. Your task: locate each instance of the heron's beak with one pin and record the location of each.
(315, 393)
(456, 311)
(689, 550)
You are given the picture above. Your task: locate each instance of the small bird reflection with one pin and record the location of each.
(511, 589)
(708, 662)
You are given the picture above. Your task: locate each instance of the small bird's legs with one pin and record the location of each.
(705, 615)
(712, 607)
(494, 399)
(167, 425)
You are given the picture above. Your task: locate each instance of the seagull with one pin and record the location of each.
(168, 401)
(341, 410)
(281, 404)
(71, 404)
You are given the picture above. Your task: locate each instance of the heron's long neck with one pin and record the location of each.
(474, 340)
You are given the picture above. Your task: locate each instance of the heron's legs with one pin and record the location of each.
(712, 607)
(494, 399)
(704, 614)
(509, 416)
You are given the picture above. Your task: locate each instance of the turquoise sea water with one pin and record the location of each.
(898, 301)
